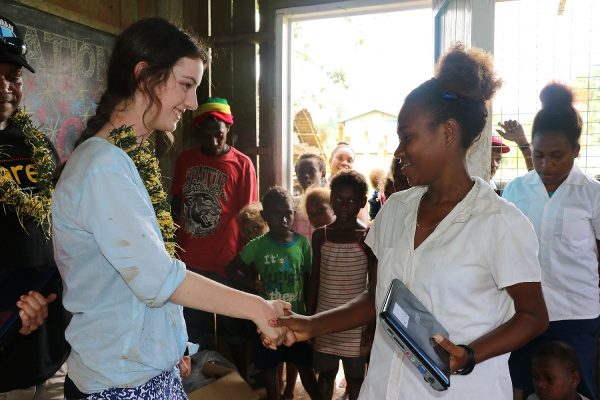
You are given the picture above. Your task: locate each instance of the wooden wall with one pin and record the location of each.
(235, 42)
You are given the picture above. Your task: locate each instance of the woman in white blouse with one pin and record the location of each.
(563, 205)
(452, 241)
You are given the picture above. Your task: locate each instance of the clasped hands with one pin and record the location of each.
(284, 327)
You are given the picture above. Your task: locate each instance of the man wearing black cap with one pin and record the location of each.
(31, 358)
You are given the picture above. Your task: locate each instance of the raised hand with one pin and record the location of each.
(513, 131)
(33, 310)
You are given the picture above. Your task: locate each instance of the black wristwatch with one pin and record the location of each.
(470, 365)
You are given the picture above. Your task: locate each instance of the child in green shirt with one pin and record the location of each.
(281, 260)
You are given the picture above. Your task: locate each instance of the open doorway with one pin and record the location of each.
(345, 71)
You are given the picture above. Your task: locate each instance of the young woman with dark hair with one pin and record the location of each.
(563, 204)
(113, 236)
(452, 241)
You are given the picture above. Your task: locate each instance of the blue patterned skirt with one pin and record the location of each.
(166, 386)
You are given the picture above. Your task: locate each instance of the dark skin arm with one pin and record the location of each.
(372, 264)
(530, 320)
(513, 131)
(312, 290)
(357, 312)
(242, 274)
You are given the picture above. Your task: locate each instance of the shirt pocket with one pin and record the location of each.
(576, 226)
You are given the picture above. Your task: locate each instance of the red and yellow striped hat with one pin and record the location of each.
(216, 107)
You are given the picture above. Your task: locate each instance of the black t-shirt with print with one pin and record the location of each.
(28, 360)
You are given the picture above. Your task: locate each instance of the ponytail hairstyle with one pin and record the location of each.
(338, 146)
(152, 40)
(558, 114)
(463, 82)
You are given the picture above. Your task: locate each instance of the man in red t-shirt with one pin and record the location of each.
(212, 184)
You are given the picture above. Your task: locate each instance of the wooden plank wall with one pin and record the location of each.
(108, 15)
(230, 29)
(233, 69)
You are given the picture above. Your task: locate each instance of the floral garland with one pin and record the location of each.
(147, 165)
(26, 204)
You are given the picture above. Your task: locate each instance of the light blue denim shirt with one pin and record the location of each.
(117, 274)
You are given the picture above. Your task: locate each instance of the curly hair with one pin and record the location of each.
(464, 81)
(320, 194)
(377, 178)
(251, 212)
(351, 178)
(276, 195)
(559, 351)
(155, 41)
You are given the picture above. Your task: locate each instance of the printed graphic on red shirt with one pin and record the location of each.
(204, 193)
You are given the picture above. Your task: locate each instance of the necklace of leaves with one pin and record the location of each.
(25, 203)
(147, 165)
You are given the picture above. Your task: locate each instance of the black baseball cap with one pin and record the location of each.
(12, 45)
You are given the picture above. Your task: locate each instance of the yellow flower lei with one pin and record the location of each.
(39, 205)
(147, 165)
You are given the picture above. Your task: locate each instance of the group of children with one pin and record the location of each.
(309, 251)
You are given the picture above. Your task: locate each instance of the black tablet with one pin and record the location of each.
(412, 326)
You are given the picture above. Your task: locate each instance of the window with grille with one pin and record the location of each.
(536, 42)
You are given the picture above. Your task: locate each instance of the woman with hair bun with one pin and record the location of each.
(451, 240)
(563, 204)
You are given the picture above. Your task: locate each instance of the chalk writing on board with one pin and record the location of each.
(69, 80)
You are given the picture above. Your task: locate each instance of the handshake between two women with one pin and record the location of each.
(286, 328)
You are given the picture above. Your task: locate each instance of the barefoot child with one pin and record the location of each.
(341, 265)
(281, 260)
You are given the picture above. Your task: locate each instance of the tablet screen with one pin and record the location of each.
(415, 324)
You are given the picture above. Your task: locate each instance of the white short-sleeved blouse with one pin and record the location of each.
(459, 273)
(567, 226)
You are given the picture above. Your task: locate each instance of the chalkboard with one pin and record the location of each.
(70, 62)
